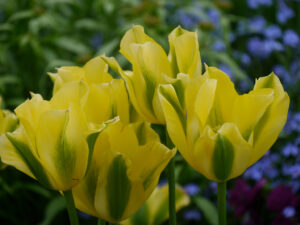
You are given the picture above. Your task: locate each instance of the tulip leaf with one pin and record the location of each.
(141, 217)
(33, 164)
(53, 208)
(223, 158)
(118, 187)
(208, 209)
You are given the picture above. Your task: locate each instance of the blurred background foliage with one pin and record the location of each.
(245, 38)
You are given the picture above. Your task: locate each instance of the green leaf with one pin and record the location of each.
(208, 209)
(109, 47)
(71, 45)
(25, 14)
(57, 205)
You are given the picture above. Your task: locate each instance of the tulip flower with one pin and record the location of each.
(106, 98)
(125, 169)
(50, 144)
(155, 210)
(8, 123)
(151, 66)
(219, 132)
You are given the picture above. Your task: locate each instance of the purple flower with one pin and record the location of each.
(191, 189)
(257, 24)
(272, 45)
(289, 211)
(279, 198)
(273, 32)
(219, 46)
(291, 38)
(284, 13)
(192, 215)
(243, 197)
(290, 150)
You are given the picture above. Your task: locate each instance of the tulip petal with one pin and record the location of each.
(135, 35)
(62, 146)
(268, 128)
(184, 52)
(174, 116)
(205, 100)
(231, 154)
(224, 99)
(249, 108)
(18, 154)
(96, 71)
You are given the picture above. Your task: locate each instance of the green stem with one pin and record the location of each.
(222, 203)
(71, 207)
(171, 181)
(101, 222)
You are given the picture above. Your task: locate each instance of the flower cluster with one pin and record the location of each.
(93, 138)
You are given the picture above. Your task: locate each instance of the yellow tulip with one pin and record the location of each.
(107, 97)
(125, 169)
(151, 66)
(50, 144)
(8, 123)
(219, 132)
(155, 210)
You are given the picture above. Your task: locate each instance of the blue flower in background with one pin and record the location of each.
(272, 45)
(290, 150)
(192, 215)
(226, 69)
(192, 189)
(241, 28)
(293, 123)
(291, 38)
(187, 20)
(245, 59)
(219, 46)
(254, 4)
(273, 32)
(96, 41)
(253, 173)
(214, 16)
(257, 24)
(284, 13)
(295, 68)
(258, 48)
(292, 171)
(282, 72)
(289, 212)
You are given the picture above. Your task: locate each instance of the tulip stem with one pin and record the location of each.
(171, 182)
(71, 207)
(101, 222)
(222, 203)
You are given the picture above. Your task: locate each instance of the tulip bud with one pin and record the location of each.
(124, 170)
(219, 132)
(50, 144)
(8, 123)
(151, 67)
(106, 98)
(155, 210)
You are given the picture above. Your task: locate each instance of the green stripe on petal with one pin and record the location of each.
(223, 158)
(118, 187)
(33, 164)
